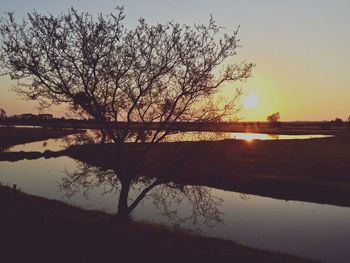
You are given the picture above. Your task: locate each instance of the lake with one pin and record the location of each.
(312, 230)
(59, 144)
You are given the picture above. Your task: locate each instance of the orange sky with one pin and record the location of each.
(300, 48)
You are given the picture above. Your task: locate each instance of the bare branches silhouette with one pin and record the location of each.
(133, 83)
(177, 203)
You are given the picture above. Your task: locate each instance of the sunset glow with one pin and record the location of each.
(187, 126)
(284, 40)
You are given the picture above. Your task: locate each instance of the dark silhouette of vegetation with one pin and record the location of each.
(2, 113)
(274, 119)
(337, 122)
(308, 170)
(164, 73)
(166, 196)
(2, 117)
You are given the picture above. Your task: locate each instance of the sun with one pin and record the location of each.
(251, 101)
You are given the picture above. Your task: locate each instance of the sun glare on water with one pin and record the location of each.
(249, 137)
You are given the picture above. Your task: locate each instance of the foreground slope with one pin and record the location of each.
(34, 228)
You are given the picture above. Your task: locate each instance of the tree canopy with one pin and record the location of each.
(274, 118)
(162, 73)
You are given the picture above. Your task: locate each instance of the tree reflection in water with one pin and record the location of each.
(178, 203)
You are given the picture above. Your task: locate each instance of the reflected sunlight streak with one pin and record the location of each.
(249, 137)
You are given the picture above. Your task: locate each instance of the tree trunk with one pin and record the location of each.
(123, 209)
(103, 137)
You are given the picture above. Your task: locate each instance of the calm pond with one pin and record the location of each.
(59, 144)
(307, 229)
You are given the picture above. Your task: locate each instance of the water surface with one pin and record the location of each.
(60, 144)
(300, 228)
(307, 229)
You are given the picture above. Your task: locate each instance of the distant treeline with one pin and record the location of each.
(57, 123)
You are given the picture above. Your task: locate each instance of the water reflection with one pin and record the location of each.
(41, 146)
(311, 230)
(215, 136)
(307, 229)
(263, 136)
(202, 208)
(94, 136)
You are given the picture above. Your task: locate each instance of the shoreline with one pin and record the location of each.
(13, 136)
(29, 218)
(301, 170)
(29, 222)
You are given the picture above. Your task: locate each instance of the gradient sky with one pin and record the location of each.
(301, 48)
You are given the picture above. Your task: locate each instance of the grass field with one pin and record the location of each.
(314, 170)
(309, 170)
(68, 234)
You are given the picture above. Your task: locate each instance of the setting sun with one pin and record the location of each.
(251, 101)
(217, 129)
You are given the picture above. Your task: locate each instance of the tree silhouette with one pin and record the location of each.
(274, 118)
(166, 196)
(126, 80)
(2, 113)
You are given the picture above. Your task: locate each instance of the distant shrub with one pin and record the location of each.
(337, 122)
(274, 119)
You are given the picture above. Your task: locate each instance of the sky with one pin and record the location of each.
(301, 49)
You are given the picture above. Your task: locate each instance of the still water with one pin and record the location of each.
(60, 144)
(307, 229)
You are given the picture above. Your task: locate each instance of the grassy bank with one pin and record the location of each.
(45, 230)
(314, 170)
(308, 170)
(12, 136)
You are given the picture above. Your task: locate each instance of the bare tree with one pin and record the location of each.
(126, 80)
